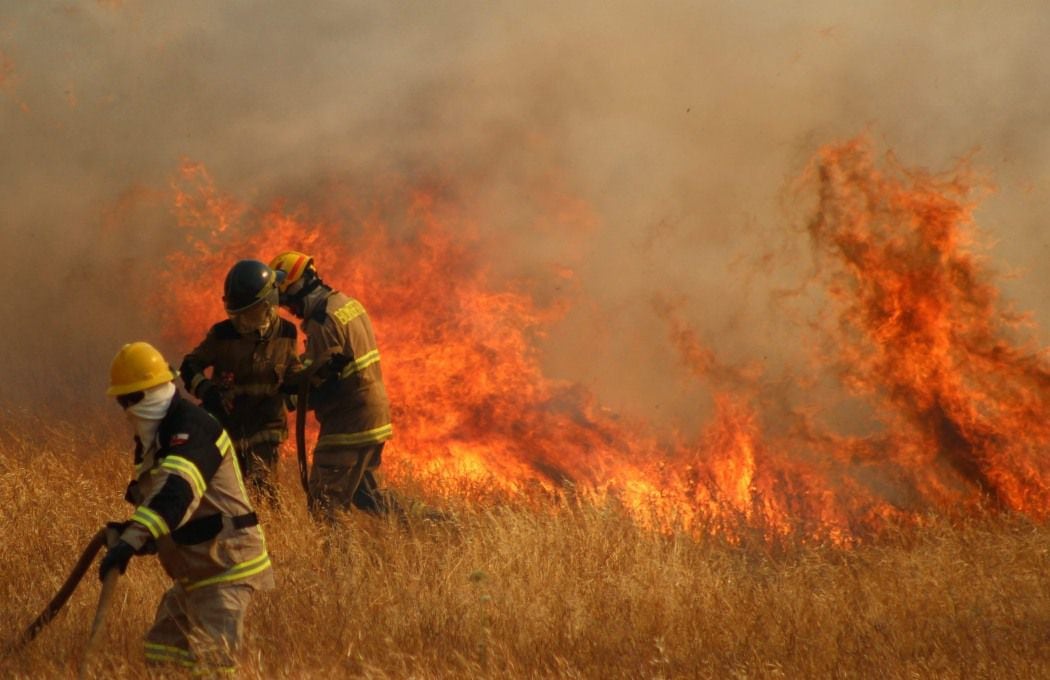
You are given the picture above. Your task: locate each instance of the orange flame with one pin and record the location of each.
(921, 337)
(924, 333)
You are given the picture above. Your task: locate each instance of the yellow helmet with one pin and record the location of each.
(137, 366)
(293, 264)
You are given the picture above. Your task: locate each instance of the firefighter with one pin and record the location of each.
(347, 392)
(192, 509)
(249, 354)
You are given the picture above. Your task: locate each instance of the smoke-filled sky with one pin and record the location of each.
(675, 128)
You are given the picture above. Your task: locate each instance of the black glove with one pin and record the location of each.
(212, 402)
(338, 362)
(116, 529)
(116, 557)
(332, 368)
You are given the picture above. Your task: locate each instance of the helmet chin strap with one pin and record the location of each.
(271, 321)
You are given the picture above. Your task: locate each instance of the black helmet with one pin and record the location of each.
(249, 282)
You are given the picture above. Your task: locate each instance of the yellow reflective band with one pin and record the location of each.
(212, 671)
(361, 364)
(376, 435)
(348, 312)
(226, 447)
(240, 478)
(186, 467)
(235, 573)
(161, 657)
(157, 648)
(151, 520)
(224, 444)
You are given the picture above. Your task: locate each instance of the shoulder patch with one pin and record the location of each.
(348, 312)
(179, 439)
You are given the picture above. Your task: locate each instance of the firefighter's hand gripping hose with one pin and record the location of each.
(116, 557)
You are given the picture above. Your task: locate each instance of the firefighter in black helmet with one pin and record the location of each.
(249, 355)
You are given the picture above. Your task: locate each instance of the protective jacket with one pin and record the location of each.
(352, 408)
(249, 371)
(191, 500)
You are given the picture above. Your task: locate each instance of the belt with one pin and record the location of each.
(206, 528)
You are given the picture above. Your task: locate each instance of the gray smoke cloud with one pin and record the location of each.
(677, 124)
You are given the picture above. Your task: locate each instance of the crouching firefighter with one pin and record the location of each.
(249, 355)
(193, 510)
(347, 392)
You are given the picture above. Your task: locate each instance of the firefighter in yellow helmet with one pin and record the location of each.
(348, 396)
(249, 355)
(191, 508)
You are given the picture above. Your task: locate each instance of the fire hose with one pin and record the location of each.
(53, 607)
(300, 437)
(104, 598)
(64, 593)
(302, 397)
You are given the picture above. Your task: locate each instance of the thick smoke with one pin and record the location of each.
(670, 131)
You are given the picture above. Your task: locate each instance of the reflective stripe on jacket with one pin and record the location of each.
(186, 478)
(353, 410)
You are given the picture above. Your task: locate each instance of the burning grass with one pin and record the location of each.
(919, 550)
(577, 591)
(909, 322)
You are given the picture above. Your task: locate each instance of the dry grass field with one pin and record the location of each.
(515, 592)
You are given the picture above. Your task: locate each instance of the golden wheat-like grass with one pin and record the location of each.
(506, 591)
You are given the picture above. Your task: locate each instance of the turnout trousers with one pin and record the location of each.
(344, 477)
(200, 630)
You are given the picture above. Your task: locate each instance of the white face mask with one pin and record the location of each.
(145, 416)
(145, 430)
